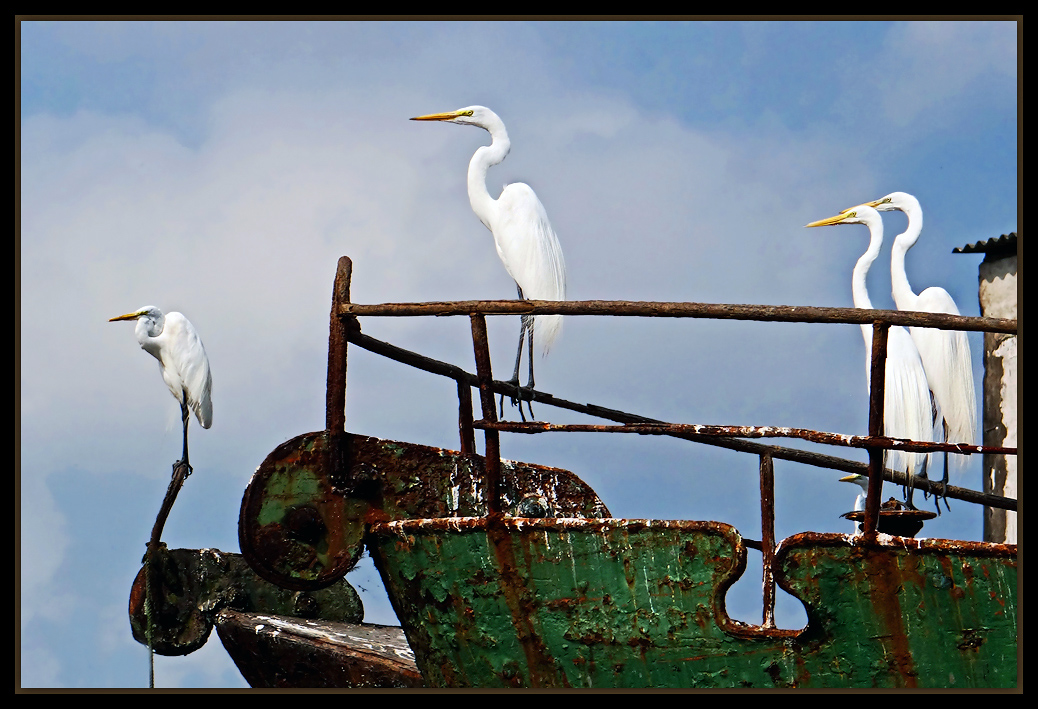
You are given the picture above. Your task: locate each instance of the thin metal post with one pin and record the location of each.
(877, 380)
(767, 516)
(335, 400)
(468, 435)
(484, 375)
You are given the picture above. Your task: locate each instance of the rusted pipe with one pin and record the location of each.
(467, 433)
(484, 375)
(722, 311)
(715, 431)
(877, 390)
(717, 436)
(335, 403)
(767, 542)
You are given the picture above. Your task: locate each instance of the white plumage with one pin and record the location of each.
(523, 236)
(174, 342)
(906, 406)
(945, 353)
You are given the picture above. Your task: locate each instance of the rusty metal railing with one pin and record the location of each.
(345, 327)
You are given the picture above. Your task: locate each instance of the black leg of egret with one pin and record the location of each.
(525, 323)
(529, 359)
(944, 485)
(185, 416)
(910, 486)
(515, 375)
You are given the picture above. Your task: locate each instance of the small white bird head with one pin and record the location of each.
(146, 311)
(150, 317)
(860, 480)
(862, 214)
(895, 201)
(470, 115)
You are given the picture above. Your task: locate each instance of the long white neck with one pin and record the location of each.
(904, 296)
(861, 269)
(859, 290)
(485, 157)
(147, 329)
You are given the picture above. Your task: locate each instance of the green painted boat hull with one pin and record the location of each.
(640, 604)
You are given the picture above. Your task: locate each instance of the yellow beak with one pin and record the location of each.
(438, 116)
(831, 220)
(128, 316)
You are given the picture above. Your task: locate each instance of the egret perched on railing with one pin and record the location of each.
(173, 341)
(522, 233)
(945, 353)
(906, 406)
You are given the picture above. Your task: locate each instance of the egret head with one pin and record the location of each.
(470, 115)
(899, 201)
(860, 480)
(150, 321)
(148, 311)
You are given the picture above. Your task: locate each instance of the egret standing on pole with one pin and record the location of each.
(522, 233)
(173, 341)
(906, 403)
(945, 353)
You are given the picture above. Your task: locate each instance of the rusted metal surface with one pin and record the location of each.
(723, 311)
(640, 604)
(335, 411)
(767, 540)
(296, 527)
(894, 518)
(195, 584)
(711, 430)
(896, 612)
(877, 399)
(486, 402)
(283, 651)
(302, 522)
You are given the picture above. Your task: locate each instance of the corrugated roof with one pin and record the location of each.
(998, 246)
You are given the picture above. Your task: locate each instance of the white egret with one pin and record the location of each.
(945, 353)
(525, 241)
(907, 411)
(861, 481)
(174, 342)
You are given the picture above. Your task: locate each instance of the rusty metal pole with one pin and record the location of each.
(877, 380)
(767, 516)
(468, 435)
(484, 374)
(335, 401)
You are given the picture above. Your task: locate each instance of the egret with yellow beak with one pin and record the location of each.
(174, 342)
(525, 241)
(906, 406)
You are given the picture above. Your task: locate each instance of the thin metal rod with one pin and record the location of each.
(467, 433)
(335, 404)
(722, 311)
(484, 374)
(767, 542)
(709, 430)
(897, 477)
(877, 381)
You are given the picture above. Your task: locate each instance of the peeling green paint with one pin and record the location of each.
(619, 603)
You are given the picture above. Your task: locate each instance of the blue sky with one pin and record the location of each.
(221, 168)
